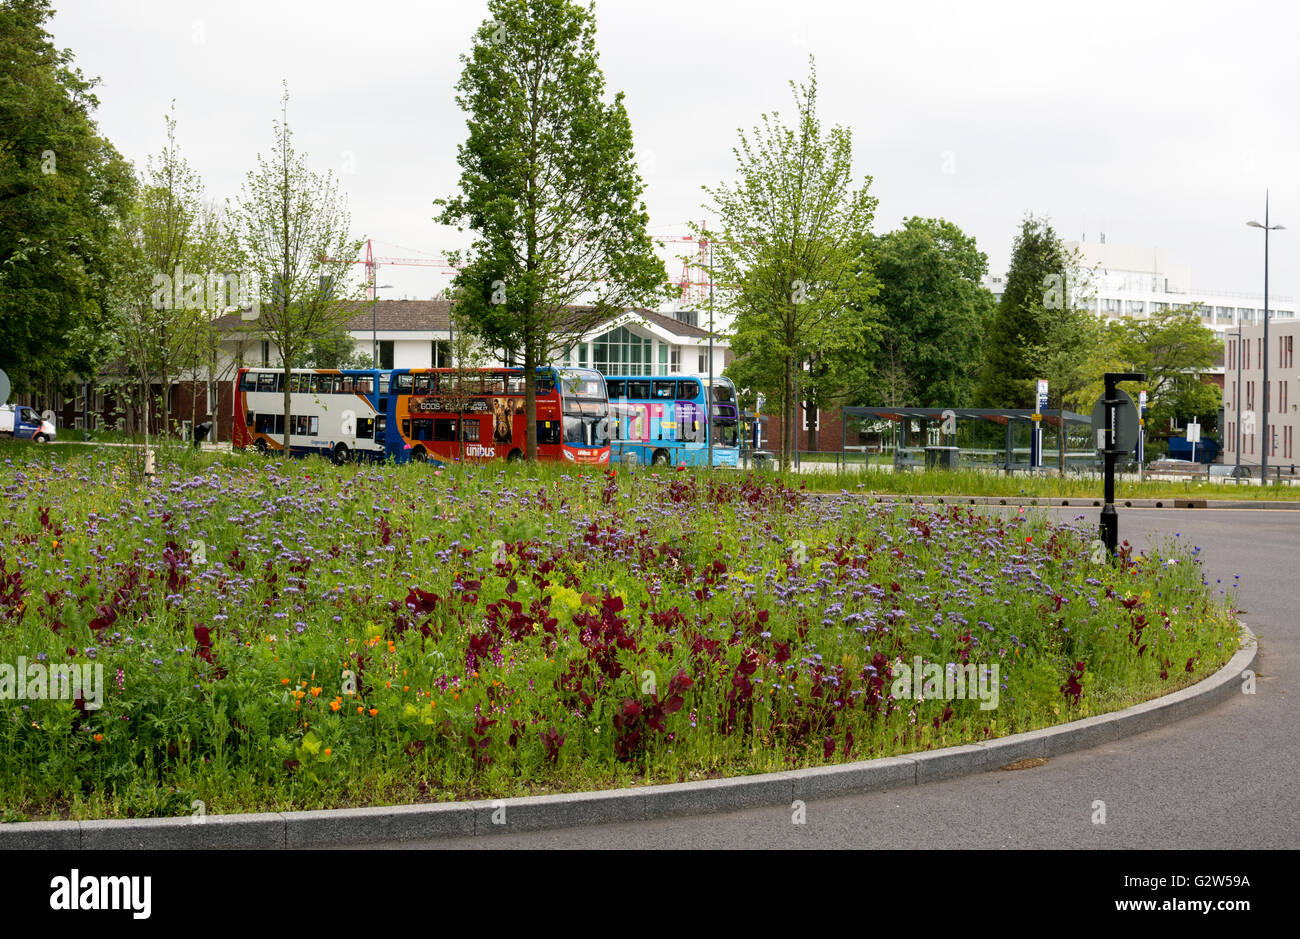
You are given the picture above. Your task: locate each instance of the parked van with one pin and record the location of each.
(23, 423)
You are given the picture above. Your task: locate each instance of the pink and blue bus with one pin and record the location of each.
(666, 420)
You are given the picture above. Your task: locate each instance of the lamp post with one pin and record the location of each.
(374, 320)
(708, 398)
(1268, 440)
(1236, 474)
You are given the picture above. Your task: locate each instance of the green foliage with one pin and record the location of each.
(1039, 268)
(62, 189)
(549, 187)
(294, 234)
(1172, 348)
(801, 288)
(936, 312)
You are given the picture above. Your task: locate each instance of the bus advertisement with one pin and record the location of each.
(446, 415)
(664, 420)
(338, 414)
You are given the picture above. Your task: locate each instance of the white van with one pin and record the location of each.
(23, 423)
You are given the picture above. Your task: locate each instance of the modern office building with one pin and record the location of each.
(1249, 392)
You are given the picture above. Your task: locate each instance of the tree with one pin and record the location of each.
(1172, 348)
(158, 313)
(293, 229)
(935, 312)
(549, 188)
(63, 191)
(1037, 278)
(791, 252)
(1067, 358)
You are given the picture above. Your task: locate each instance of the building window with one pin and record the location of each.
(441, 356)
(1111, 306)
(674, 360)
(266, 352)
(620, 352)
(704, 363)
(1136, 306)
(385, 353)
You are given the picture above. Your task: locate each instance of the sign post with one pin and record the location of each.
(1036, 439)
(1142, 433)
(1118, 434)
(1194, 436)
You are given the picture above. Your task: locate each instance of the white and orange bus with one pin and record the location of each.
(339, 414)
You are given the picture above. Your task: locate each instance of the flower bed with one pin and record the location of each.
(279, 635)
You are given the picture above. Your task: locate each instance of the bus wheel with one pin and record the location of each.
(42, 438)
(514, 456)
(340, 454)
(262, 448)
(419, 455)
(660, 458)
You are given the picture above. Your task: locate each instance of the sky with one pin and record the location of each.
(1157, 124)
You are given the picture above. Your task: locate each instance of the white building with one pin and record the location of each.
(1128, 281)
(418, 334)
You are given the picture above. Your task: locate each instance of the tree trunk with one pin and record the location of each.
(1060, 435)
(789, 414)
(530, 403)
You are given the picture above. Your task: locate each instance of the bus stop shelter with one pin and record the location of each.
(991, 437)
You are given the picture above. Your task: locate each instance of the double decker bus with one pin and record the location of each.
(339, 414)
(447, 414)
(666, 419)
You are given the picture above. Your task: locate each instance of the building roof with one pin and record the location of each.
(421, 315)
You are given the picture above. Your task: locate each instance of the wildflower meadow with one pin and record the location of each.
(294, 635)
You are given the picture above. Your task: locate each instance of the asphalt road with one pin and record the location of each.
(1226, 778)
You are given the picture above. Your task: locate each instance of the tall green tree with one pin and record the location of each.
(1067, 358)
(935, 311)
(1037, 275)
(293, 228)
(549, 187)
(790, 249)
(1173, 348)
(63, 190)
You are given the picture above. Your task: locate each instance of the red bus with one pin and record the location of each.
(445, 414)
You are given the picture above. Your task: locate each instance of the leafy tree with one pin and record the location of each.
(293, 230)
(791, 250)
(63, 190)
(1037, 277)
(935, 314)
(549, 188)
(1067, 358)
(1172, 348)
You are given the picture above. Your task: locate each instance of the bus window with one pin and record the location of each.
(381, 427)
(444, 428)
(314, 427)
(514, 384)
(423, 384)
(617, 388)
(345, 385)
(422, 428)
(365, 427)
(266, 381)
(494, 385)
(248, 382)
(545, 384)
(638, 389)
(471, 431)
(548, 432)
(664, 389)
(688, 390)
(251, 418)
(403, 383)
(364, 384)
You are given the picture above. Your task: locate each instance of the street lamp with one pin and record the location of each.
(1268, 440)
(1236, 474)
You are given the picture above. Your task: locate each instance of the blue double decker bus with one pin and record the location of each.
(668, 420)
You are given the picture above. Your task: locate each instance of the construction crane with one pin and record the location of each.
(372, 264)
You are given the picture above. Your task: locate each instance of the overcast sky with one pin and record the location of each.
(1160, 124)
